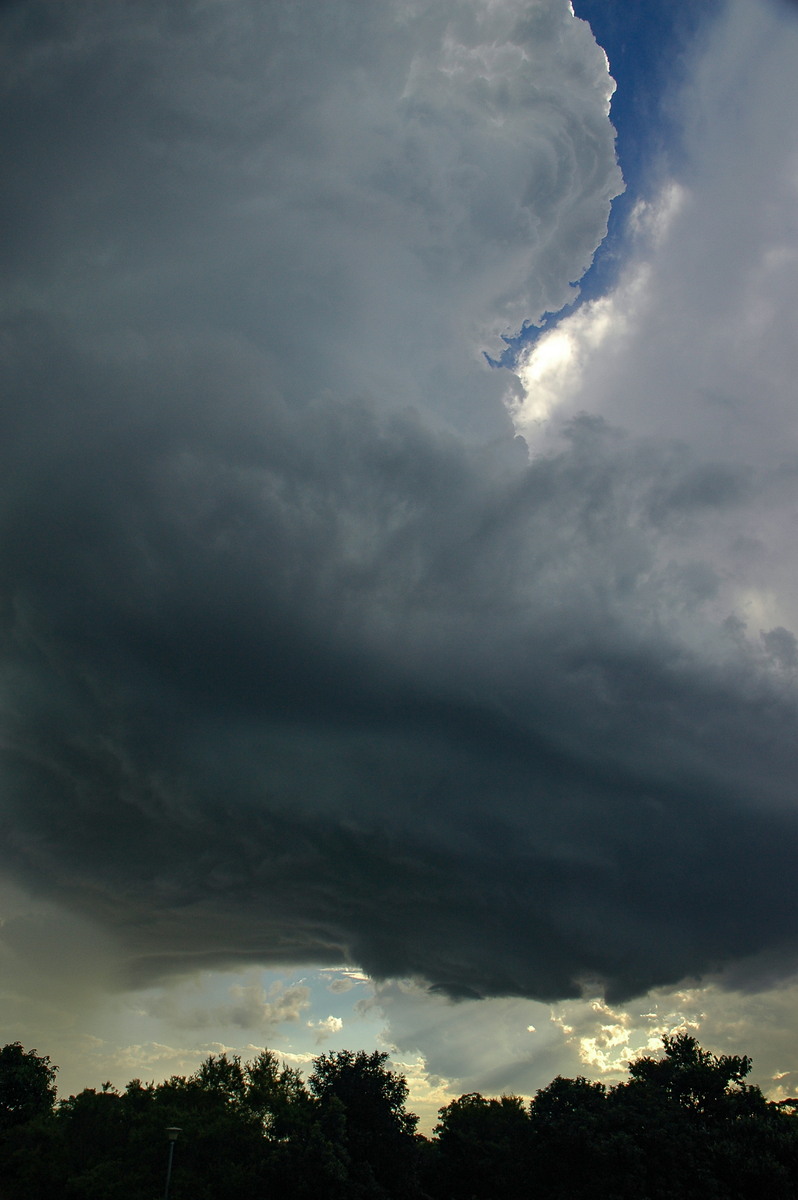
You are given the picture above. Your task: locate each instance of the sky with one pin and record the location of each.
(356, 692)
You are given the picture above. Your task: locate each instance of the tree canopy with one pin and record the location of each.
(685, 1124)
(27, 1085)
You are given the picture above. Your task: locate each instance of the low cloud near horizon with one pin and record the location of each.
(305, 658)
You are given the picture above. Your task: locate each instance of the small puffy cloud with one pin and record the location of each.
(326, 1028)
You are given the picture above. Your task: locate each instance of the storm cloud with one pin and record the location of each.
(304, 659)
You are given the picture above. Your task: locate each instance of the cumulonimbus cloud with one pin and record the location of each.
(303, 659)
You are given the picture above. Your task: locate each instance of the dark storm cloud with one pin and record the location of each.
(286, 689)
(295, 669)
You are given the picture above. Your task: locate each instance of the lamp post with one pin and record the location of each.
(172, 1133)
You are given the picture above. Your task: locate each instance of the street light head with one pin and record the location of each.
(172, 1131)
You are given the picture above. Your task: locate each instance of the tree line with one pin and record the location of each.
(684, 1124)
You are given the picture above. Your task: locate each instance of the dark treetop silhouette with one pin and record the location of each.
(685, 1124)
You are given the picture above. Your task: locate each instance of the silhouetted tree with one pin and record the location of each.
(378, 1132)
(483, 1149)
(692, 1114)
(27, 1085)
(697, 1081)
(27, 1136)
(685, 1126)
(572, 1151)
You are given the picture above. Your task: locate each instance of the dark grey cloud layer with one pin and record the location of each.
(297, 665)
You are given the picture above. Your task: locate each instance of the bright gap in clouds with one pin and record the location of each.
(650, 46)
(693, 342)
(304, 662)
